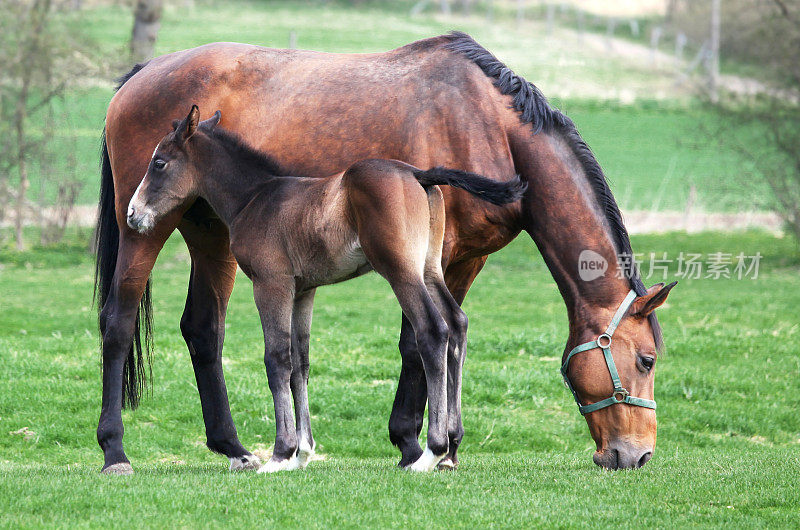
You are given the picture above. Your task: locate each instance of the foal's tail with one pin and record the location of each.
(487, 189)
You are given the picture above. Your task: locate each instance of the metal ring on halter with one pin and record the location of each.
(601, 337)
(620, 395)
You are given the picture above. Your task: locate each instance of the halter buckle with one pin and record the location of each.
(601, 338)
(620, 395)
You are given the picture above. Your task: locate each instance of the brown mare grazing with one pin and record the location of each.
(291, 235)
(443, 101)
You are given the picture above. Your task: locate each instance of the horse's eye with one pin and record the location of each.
(647, 362)
(159, 163)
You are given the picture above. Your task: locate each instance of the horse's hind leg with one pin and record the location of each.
(301, 327)
(203, 328)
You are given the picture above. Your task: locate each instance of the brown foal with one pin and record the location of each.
(293, 234)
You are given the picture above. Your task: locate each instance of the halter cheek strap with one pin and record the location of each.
(620, 394)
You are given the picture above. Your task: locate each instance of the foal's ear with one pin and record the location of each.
(212, 122)
(655, 297)
(188, 125)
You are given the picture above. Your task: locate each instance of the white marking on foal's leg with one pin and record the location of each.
(426, 462)
(273, 466)
(244, 462)
(123, 468)
(305, 452)
(446, 463)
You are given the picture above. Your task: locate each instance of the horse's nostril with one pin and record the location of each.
(644, 459)
(131, 211)
(615, 463)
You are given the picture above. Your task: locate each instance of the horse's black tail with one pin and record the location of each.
(487, 189)
(107, 245)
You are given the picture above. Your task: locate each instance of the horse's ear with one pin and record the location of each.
(212, 122)
(656, 295)
(192, 120)
(188, 125)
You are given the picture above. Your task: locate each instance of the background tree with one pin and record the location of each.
(763, 37)
(146, 22)
(40, 57)
(768, 35)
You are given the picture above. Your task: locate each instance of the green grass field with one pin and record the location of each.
(728, 387)
(652, 153)
(728, 391)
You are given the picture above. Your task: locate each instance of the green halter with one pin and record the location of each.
(620, 394)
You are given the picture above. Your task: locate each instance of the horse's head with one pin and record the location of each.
(171, 180)
(610, 367)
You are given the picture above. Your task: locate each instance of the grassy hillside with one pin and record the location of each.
(652, 152)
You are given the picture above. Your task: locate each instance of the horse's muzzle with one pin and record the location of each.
(620, 455)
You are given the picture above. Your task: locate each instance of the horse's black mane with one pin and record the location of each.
(533, 108)
(245, 153)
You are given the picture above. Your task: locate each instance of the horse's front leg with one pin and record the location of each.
(275, 301)
(121, 374)
(301, 329)
(203, 327)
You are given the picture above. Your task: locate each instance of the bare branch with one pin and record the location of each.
(785, 12)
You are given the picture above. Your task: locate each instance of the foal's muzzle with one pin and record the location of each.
(140, 219)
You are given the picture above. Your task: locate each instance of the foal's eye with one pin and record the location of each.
(158, 163)
(647, 362)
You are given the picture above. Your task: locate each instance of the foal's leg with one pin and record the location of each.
(458, 280)
(203, 327)
(301, 327)
(456, 353)
(409, 404)
(453, 315)
(275, 300)
(405, 422)
(431, 334)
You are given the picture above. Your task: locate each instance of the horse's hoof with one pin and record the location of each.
(447, 464)
(409, 458)
(273, 466)
(122, 468)
(427, 462)
(245, 463)
(304, 454)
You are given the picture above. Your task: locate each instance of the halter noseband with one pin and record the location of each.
(620, 394)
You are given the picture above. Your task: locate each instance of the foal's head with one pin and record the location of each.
(171, 180)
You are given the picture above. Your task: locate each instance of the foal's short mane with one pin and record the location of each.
(533, 108)
(243, 152)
